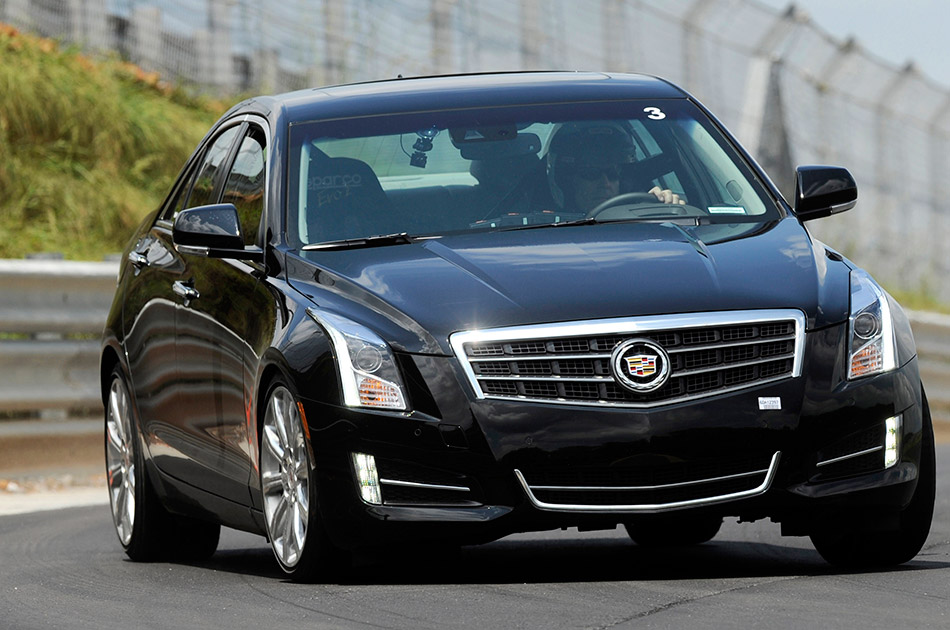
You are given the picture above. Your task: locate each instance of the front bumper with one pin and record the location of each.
(527, 467)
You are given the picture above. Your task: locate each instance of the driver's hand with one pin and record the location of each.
(667, 196)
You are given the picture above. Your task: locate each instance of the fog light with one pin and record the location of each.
(892, 440)
(367, 478)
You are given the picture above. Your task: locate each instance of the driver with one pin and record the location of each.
(585, 163)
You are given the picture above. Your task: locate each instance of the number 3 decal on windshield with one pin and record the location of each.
(654, 113)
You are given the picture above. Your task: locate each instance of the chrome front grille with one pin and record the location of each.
(570, 363)
(641, 492)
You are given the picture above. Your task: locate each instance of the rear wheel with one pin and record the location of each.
(882, 549)
(666, 531)
(296, 534)
(146, 530)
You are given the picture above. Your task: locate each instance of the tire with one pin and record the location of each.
(291, 513)
(864, 550)
(146, 530)
(679, 531)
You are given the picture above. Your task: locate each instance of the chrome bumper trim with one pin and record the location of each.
(426, 486)
(835, 460)
(654, 507)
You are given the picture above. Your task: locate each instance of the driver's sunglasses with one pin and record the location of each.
(593, 173)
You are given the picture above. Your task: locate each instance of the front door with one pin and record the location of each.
(224, 299)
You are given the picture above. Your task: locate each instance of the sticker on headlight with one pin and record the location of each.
(769, 403)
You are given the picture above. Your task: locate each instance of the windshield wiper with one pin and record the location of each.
(677, 219)
(380, 240)
(535, 226)
(688, 220)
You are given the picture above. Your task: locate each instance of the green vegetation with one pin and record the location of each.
(87, 148)
(920, 300)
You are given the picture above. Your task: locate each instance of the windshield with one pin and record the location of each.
(430, 174)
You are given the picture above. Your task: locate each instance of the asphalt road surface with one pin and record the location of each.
(65, 569)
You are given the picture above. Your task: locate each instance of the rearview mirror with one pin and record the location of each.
(821, 191)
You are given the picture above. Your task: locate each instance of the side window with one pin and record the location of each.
(176, 201)
(202, 191)
(245, 184)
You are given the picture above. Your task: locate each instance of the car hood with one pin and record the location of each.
(417, 294)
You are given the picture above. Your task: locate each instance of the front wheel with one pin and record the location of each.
(293, 525)
(146, 530)
(883, 549)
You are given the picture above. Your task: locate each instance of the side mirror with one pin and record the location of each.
(821, 191)
(212, 231)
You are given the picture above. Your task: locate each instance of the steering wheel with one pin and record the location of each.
(633, 198)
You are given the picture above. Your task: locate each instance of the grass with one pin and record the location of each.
(921, 300)
(87, 147)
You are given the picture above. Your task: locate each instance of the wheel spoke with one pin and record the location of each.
(301, 467)
(130, 508)
(280, 515)
(270, 483)
(115, 495)
(280, 421)
(300, 526)
(303, 498)
(116, 415)
(115, 440)
(121, 500)
(115, 475)
(273, 442)
(290, 541)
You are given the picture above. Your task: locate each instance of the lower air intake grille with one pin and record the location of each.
(856, 454)
(403, 483)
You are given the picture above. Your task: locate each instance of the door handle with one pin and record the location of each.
(186, 291)
(138, 260)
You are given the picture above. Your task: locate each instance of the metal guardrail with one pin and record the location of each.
(52, 313)
(932, 335)
(55, 311)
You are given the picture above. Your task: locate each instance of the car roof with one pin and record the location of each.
(460, 91)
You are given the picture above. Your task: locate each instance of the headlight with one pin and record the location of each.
(873, 345)
(368, 370)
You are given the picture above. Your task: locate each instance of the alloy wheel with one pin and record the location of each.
(120, 460)
(285, 477)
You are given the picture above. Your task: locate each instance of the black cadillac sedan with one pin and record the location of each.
(443, 310)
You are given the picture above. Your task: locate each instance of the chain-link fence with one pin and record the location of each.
(792, 93)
